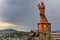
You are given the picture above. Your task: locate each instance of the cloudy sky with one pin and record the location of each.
(23, 15)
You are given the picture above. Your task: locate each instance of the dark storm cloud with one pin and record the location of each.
(20, 12)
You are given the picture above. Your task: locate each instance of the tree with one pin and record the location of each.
(49, 37)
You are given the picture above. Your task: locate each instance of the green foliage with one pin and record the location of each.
(49, 37)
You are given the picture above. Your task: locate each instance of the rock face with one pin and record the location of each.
(43, 25)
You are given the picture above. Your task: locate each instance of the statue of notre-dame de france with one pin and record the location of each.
(44, 27)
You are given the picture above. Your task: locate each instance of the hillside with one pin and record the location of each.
(12, 33)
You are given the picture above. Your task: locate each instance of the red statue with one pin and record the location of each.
(41, 8)
(43, 25)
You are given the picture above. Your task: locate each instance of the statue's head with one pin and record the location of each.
(42, 3)
(41, 6)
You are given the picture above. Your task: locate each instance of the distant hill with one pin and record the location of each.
(12, 33)
(58, 31)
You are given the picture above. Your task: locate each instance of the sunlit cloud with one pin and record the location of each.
(4, 25)
(22, 27)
